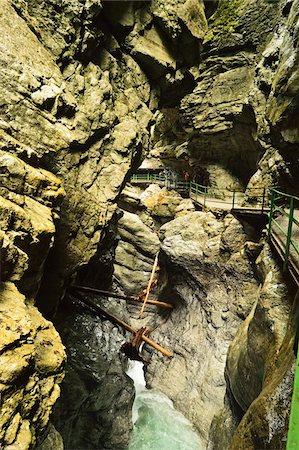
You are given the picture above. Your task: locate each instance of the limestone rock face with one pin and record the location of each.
(161, 203)
(259, 363)
(32, 362)
(134, 253)
(241, 112)
(52, 440)
(77, 116)
(32, 356)
(211, 282)
(30, 200)
(166, 42)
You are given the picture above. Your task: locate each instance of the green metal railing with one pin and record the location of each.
(203, 194)
(281, 218)
(282, 222)
(293, 432)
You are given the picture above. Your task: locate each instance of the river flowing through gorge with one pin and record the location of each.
(157, 424)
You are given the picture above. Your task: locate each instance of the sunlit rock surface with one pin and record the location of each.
(32, 356)
(32, 362)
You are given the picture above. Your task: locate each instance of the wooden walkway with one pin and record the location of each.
(227, 205)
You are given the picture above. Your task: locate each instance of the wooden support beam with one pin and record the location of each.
(123, 324)
(120, 296)
(149, 286)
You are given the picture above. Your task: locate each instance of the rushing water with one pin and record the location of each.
(157, 425)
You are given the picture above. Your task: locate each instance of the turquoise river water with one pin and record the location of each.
(157, 425)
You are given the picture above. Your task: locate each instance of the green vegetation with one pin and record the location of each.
(225, 18)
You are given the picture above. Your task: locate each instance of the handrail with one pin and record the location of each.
(233, 197)
(284, 194)
(286, 210)
(225, 196)
(293, 435)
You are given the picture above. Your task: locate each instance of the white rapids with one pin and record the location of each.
(157, 425)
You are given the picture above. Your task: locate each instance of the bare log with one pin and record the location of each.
(123, 324)
(149, 286)
(120, 296)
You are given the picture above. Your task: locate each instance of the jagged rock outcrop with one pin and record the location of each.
(134, 253)
(138, 232)
(79, 119)
(30, 200)
(32, 362)
(241, 112)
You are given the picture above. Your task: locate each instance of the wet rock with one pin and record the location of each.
(259, 382)
(95, 409)
(51, 441)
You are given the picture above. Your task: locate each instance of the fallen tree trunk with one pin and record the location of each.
(123, 324)
(120, 296)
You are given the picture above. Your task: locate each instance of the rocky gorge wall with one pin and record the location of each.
(32, 357)
(88, 89)
(239, 117)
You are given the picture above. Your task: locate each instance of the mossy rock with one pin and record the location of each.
(225, 18)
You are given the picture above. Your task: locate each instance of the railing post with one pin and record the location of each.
(263, 203)
(234, 193)
(289, 235)
(196, 192)
(293, 435)
(205, 196)
(272, 206)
